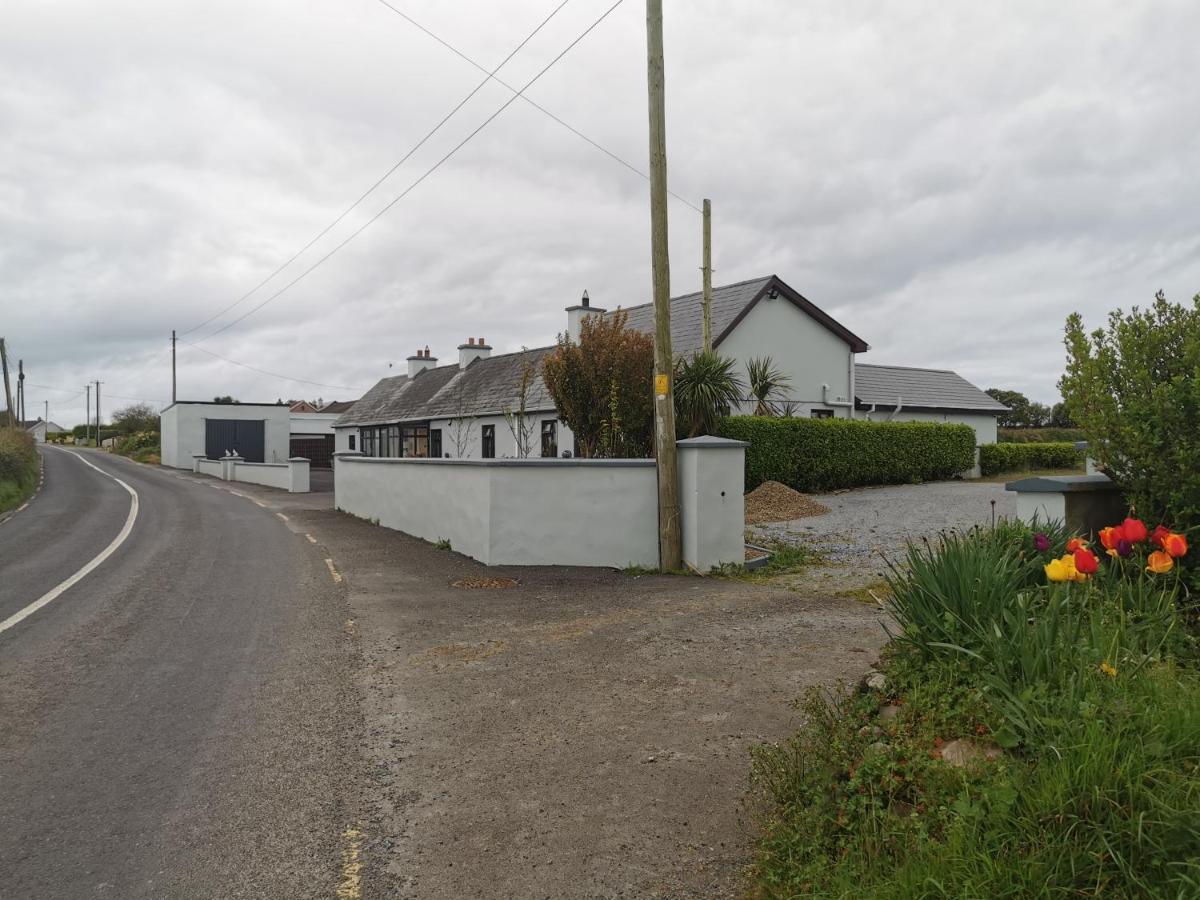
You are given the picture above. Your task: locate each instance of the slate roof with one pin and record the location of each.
(488, 386)
(337, 406)
(730, 303)
(485, 387)
(936, 389)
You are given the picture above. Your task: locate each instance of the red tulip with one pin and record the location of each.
(1086, 561)
(1159, 533)
(1134, 530)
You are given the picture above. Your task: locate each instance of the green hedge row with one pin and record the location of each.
(997, 458)
(827, 454)
(18, 467)
(1039, 435)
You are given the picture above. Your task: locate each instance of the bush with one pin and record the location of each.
(827, 454)
(1134, 388)
(141, 440)
(18, 467)
(1040, 435)
(997, 458)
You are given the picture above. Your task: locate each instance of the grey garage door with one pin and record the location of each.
(246, 438)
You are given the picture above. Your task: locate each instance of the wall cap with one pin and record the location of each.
(710, 442)
(302, 459)
(1062, 484)
(539, 462)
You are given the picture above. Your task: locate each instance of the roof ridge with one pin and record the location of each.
(720, 287)
(905, 368)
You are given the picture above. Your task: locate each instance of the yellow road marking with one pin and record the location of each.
(311, 539)
(337, 576)
(351, 885)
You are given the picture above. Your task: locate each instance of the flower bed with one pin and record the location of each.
(1035, 731)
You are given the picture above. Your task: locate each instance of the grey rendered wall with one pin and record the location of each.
(808, 353)
(168, 428)
(512, 512)
(712, 502)
(984, 424)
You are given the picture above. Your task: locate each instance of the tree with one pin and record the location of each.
(1060, 417)
(461, 423)
(1022, 412)
(767, 385)
(603, 388)
(706, 390)
(1134, 389)
(522, 426)
(226, 400)
(136, 418)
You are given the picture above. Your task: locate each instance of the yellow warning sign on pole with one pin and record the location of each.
(661, 382)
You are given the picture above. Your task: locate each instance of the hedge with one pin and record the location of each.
(18, 467)
(827, 454)
(997, 458)
(1039, 435)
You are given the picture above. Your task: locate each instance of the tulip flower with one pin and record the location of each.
(1159, 533)
(1124, 548)
(1159, 562)
(1076, 544)
(1134, 530)
(1086, 562)
(1110, 537)
(1108, 669)
(1058, 570)
(1041, 542)
(1175, 545)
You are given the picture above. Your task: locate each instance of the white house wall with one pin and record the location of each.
(506, 442)
(807, 352)
(182, 429)
(312, 424)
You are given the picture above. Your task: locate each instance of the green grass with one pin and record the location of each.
(1092, 689)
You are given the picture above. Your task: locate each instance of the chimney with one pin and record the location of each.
(419, 362)
(576, 314)
(472, 350)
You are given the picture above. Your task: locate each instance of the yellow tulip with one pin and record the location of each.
(1059, 570)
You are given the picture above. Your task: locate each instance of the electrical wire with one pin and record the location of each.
(371, 221)
(234, 362)
(349, 209)
(571, 128)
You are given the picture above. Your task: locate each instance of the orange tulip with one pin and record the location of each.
(1160, 562)
(1076, 544)
(1175, 545)
(1156, 536)
(1109, 538)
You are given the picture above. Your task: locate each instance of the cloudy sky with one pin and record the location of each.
(950, 180)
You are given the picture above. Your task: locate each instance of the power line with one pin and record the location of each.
(337, 387)
(371, 221)
(47, 387)
(349, 209)
(571, 128)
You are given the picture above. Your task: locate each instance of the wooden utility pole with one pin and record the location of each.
(172, 365)
(7, 388)
(97, 412)
(22, 416)
(87, 416)
(707, 270)
(670, 539)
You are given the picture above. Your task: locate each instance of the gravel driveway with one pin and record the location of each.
(877, 522)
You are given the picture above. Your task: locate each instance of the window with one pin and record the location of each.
(352, 441)
(435, 443)
(822, 413)
(367, 436)
(416, 440)
(549, 438)
(393, 442)
(489, 441)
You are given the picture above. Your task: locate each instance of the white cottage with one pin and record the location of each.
(457, 410)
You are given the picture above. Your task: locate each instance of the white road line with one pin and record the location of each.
(282, 516)
(311, 539)
(104, 554)
(337, 576)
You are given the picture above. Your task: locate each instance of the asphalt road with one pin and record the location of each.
(183, 721)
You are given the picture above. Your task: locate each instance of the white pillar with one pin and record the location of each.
(712, 507)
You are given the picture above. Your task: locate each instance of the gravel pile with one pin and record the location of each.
(772, 501)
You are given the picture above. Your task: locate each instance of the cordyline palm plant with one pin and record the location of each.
(706, 389)
(767, 385)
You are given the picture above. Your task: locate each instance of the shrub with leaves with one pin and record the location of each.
(997, 458)
(706, 390)
(826, 454)
(18, 466)
(602, 387)
(1134, 388)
